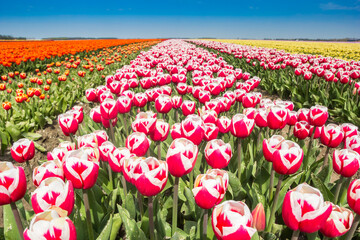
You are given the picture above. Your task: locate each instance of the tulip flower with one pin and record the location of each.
(349, 130)
(101, 136)
(175, 131)
(150, 176)
(46, 170)
(115, 158)
(217, 153)
(95, 114)
(249, 100)
(23, 150)
(318, 115)
(224, 124)
(140, 99)
(338, 223)
(277, 117)
(303, 114)
(304, 209)
(91, 94)
(108, 109)
(88, 140)
(193, 128)
(211, 131)
(209, 190)
(144, 122)
(176, 101)
(68, 124)
(271, 145)
(123, 104)
(81, 169)
(53, 192)
(353, 199)
(138, 143)
(287, 160)
(12, 184)
(188, 107)
(331, 135)
(232, 220)
(346, 162)
(353, 143)
(163, 103)
(161, 131)
(51, 224)
(302, 130)
(105, 149)
(241, 126)
(68, 145)
(261, 117)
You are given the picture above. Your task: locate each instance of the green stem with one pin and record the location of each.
(29, 167)
(353, 228)
(110, 176)
(306, 160)
(175, 206)
(17, 219)
(295, 235)
(338, 187)
(72, 138)
(125, 124)
(112, 135)
(326, 157)
(239, 158)
(159, 150)
(88, 215)
(288, 135)
(271, 182)
(205, 223)
(140, 202)
(151, 217)
(191, 178)
(273, 209)
(123, 182)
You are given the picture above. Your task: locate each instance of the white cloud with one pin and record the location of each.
(334, 6)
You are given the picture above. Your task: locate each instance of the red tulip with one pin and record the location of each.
(181, 88)
(68, 145)
(181, 157)
(53, 192)
(331, 135)
(81, 168)
(241, 126)
(287, 160)
(176, 101)
(318, 115)
(105, 149)
(150, 176)
(349, 130)
(209, 190)
(140, 99)
(115, 158)
(163, 103)
(261, 117)
(271, 145)
(106, 123)
(277, 117)
(193, 129)
(353, 143)
(217, 153)
(208, 116)
(346, 162)
(304, 209)
(145, 122)
(211, 131)
(175, 131)
(161, 131)
(46, 170)
(108, 109)
(303, 114)
(224, 124)
(95, 114)
(250, 100)
(23, 150)
(68, 124)
(123, 104)
(91, 94)
(338, 223)
(353, 196)
(302, 130)
(292, 118)
(101, 136)
(232, 220)
(188, 107)
(12, 184)
(51, 224)
(138, 143)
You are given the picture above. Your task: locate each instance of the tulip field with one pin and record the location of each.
(178, 139)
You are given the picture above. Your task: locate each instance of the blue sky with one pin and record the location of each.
(192, 19)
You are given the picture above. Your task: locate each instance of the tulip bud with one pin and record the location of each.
(224, 124)
(181, 157)
(68, 145)
(138, 143)
(12, 184)
(232, 220)
(217, 153)
(302, 130)
(259, 220)
(88, 140)
(95, 114)
(261, 117)
(91, 94)
(277, 117)
(23, 150)
(108, 109)
(53, 192)
(140, 99)
(349, 130)
(53, 224)
(304, 209)
(303, 114)
(105, 149)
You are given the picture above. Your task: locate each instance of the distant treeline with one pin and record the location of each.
(9, 37)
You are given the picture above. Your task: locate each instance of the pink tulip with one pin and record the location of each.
(12, 184)
(23, 150)
(217, 153)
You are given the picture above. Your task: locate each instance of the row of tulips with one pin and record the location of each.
(230, 219)
(319, 80)
(30, 100)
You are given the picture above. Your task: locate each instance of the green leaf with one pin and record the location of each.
(10, 228)
(131, 228)
(115, 227)
(13, 131)
(328, 196)
(130, 205)
(285, 187)
(105, 233)
(32, 136)
(39, 147)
